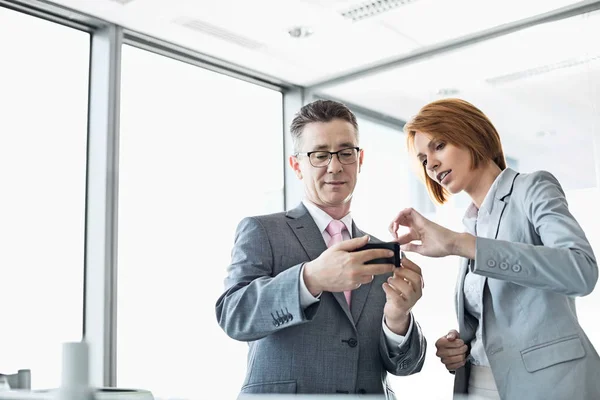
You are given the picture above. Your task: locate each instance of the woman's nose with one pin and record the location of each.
(432, 164)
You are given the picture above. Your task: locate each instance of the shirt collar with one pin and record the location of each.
(322, 219)
(486, 207)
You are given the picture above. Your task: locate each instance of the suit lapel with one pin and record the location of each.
(359, 296)
(311, 239)
(306, 231)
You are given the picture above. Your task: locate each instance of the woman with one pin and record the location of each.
(524, 260)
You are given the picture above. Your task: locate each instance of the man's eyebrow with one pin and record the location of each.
(344, 145)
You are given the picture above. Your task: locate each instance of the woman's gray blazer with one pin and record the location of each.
(536, 260)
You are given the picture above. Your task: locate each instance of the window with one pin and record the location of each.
(583, 204)
(43, 139)
(198, 152)
(383, 183)
(387, 184)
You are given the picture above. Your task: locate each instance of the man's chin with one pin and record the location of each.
(338, 200)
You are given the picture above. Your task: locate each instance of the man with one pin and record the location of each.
(317, 318)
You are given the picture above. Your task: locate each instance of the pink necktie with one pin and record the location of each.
(335, 229)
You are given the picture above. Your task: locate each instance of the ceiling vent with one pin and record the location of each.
(447, 92)
(218, 32)
(544, 69)
(369, 9)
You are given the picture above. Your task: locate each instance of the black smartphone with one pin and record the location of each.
(395, 247)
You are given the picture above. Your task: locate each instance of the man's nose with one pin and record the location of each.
(334, 165)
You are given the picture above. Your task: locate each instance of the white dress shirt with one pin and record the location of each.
(322, 219)
(478, 221)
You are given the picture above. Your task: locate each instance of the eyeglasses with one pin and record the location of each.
(320, 159)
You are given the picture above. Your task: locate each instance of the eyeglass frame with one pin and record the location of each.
(331, 153)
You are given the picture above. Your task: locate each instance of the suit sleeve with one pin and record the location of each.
(256, 304)
(565, 263)
(407, 358)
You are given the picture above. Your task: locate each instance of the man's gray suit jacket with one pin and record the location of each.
(536, 259)
(326, 348)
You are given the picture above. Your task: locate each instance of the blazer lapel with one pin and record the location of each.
(503, 190)
(311, 239)
(459, 299)
(359, 296)
(306, 231)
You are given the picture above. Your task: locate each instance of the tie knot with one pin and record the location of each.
(335, 227)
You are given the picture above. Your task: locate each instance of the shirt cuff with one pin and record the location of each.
(394, 341)
(306, 298)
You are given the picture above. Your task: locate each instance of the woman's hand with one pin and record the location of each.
(452, 351)
(436, 241)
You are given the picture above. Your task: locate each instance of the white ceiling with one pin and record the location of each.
(540, 86)
(255, 33)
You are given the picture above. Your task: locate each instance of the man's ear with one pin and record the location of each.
(361, 156)
(293, 160)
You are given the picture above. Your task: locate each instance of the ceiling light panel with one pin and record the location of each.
(206, 28)
(436, 21)
(543, 69)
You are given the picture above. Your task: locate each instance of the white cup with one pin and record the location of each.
(75, 381)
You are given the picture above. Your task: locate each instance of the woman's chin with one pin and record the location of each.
(453, 189)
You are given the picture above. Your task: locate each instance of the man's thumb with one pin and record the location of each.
(353, 244)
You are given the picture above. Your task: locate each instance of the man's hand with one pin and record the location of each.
(452, 351)
(338, 268)
(402, 291)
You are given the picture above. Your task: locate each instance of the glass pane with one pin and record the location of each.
(584, 206)
(43, 138)
(199, 151)
(383, 180)
(387, 184)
